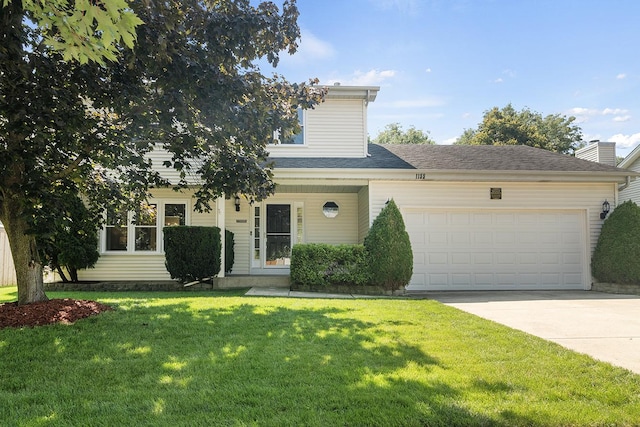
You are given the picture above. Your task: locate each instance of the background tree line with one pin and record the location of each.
(503, 126)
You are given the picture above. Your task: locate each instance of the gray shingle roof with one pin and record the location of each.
(453, 157)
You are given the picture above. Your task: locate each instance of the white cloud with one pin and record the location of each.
(621, 76)
(584, 114)
(368, 78)
(428, 70)
(417, 103)
(449, 141)
(310, 48)
(626, 141)
(579, 111)
(498, 80)
(613, 111)
(404, 6)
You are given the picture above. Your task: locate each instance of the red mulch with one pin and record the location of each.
(65, 311)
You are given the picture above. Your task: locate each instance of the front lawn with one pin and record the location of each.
(205, 359)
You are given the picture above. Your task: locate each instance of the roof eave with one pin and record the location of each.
(456, 175)
(630, 159)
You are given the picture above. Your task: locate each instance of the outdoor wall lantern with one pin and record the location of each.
(330, 209)
(606, 207)
(237, 203)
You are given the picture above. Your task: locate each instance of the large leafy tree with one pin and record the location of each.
(189, 86)
(394, 134)
(83, 30)
(507, 126)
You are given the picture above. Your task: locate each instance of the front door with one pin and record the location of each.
(278, 236)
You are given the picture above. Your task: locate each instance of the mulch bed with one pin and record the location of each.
(65, 311)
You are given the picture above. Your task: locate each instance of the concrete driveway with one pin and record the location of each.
(604, 326)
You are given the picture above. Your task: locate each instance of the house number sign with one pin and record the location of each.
(421, 176)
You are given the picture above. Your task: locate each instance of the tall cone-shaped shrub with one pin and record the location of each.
(389, 249)
(615, 259)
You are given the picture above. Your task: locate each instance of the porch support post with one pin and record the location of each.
(220, 217)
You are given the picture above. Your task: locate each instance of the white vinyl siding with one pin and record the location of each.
(127, 267)
(537, 195)
(363, 213)
(632, 192)
(335, 128)
(239, 223)
(158, 156)
(7, 269)
(599, 152)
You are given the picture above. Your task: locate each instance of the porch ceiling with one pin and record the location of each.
(318, 188)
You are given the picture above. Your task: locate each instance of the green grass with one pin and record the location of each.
(205, 359)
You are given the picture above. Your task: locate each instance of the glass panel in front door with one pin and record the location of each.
(278, 231)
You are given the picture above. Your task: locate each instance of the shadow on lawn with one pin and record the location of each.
(240, 364)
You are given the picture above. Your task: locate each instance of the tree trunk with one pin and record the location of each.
(73, 273)
(61, 273)
(26, 259)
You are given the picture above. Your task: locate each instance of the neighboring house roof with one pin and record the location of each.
(454, 158)
(631, 158)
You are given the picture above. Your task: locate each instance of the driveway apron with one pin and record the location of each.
(604, 326)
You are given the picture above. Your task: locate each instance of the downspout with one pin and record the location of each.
(626, 184)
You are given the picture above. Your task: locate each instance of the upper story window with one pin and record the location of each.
(141, 231)
(296, 139)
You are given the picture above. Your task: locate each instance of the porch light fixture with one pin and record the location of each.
(237, 203)
(330, 209)
(606, 207)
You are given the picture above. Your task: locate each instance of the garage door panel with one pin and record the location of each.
(436, 258)
(439, 279)
(572, 279)
(573, 258)
(461, 279)
(530, 258)
(497, 249)
(438, 238)
(462, 259)
(569, 238)
(435, 219)
(550, 258)
(505, 258)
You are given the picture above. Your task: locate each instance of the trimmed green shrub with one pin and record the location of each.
(319, 264)
(192, 253)
(615, 259)
(389, 249)
(229, 251)
(72, 241)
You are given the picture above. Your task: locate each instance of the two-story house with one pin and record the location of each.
(479, 217)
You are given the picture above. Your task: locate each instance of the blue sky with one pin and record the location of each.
(441, 64)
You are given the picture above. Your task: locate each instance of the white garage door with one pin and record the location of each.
(467, 250)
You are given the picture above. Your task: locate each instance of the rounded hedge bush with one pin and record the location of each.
(616, 258)
(192, 253)
(389, 249)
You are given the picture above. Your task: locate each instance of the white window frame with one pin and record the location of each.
(131, 229)
(302, 120)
